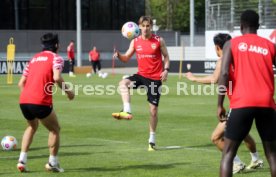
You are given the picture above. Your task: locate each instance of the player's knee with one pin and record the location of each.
(215, 139)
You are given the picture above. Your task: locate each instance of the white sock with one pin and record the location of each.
(254, 156)
(53, 160)
(127, 107)
(237, 159)
(23, 157)
(152, 137)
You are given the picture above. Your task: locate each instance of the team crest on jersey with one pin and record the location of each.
(153, 46)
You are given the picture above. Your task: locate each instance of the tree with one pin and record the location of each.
(174, 14)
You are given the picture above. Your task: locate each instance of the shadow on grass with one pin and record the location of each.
(67, 146)
(130, 167)
(74, 153)
(165, 148)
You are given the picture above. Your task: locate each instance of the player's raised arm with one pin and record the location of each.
(213, 78)
(125, 57)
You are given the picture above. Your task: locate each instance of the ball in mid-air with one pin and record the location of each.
(9, 143)
(130, 30)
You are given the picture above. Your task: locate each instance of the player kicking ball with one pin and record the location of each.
(217, 135)
(152, 71)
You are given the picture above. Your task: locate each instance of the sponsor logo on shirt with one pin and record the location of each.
(252, 48)
(39, 59)
(139, 48)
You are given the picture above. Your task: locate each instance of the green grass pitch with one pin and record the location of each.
(94, 144)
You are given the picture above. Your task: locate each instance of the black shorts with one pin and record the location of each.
(153, 87)
(32, 111)
(240, 121)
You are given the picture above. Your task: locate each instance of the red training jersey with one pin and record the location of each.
(39, 82)
(70, 52)
(253, 72)
(94, 55)
(149, 58)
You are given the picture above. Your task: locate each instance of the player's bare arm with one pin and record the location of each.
(206, 79)
(61, 84)
(22, 82)
(274, 57)
(164, 51)
(125, 57)
(223, 79)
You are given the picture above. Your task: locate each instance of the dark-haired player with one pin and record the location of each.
(36, 104)
(152, 72)
(217, 135)
(253, 88)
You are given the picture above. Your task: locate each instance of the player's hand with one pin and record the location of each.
(164, 76)
(189, 76)
(70, 95)
(221, 113)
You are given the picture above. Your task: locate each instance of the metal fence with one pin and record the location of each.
(225, 14)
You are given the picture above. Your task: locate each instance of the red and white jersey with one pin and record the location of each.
(70, 52)
(149, 58)
(253, 72)
(39, 82)
(94, 55)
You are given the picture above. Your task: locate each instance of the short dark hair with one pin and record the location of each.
(221, 38)
(49, 41)
(145, 18)
(250, 18)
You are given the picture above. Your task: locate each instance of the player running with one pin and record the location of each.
(71, 58)
(218, 133)
(36, 104)
(252, 58)
(152, 72)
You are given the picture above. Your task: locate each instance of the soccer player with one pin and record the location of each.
(36, 103)
(71, 58)
(218, 133)
(252, 58)
(94, 58)
(152, 72)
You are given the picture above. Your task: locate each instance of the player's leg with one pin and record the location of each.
(25, 145)
(94, 65)
(256, 162)
(52, 124)
(28, 135)
(152, 126)
(71, 68)
(99, 65)
(217, 135)
(229, 152)
(266, 125)
(92, 68)
(124, 87)
(237, 128)
(153, 94)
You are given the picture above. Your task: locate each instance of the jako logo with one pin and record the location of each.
(242, 47)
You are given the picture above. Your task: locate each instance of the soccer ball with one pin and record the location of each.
(130, 30)
(88, 75)
(104, 75)
(9, 143)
